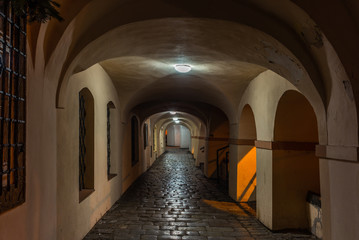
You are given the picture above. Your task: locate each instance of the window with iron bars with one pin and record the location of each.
(12, 107)
(110, 167)
(134, 141)
(86, 143)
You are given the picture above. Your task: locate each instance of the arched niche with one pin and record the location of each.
(295, 165)
(246, 165)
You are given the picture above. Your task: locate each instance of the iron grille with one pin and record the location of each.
(134, 141)
(145, 136)
(12, 107)
(108, 142)
(82, 145)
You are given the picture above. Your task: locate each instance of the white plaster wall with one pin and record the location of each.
(341, 111)
(185, 137)
(340, 194)
(264, 190)
(174, 135)
(75, 219)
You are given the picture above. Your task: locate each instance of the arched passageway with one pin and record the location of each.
(250, 63)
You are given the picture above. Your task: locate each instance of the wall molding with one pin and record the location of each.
(245, 142)
(330, 152)
(341, 153)
(279, 145)
(212, 139)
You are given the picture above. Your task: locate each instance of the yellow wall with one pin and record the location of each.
(294, 174)
(246, 172)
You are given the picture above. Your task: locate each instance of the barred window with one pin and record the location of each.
(110, 160)
(145, 136)
(86, 143)
(12, 107)
(134, 141)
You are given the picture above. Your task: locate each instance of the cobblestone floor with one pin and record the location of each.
(173, 200)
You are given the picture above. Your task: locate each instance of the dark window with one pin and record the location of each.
(86, 143)
(110, 107)
(12, 107)
(134, 141)
(108, 141)
(145, 135)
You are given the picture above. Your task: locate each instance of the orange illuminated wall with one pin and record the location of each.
(246, 177)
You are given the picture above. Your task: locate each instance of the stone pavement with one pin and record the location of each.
(173, 200)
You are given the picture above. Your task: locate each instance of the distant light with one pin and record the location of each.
(183, 68)
(175, 119)
(173, 113)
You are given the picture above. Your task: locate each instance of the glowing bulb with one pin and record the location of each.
(175, 119)
(182, 68)
(172, 113)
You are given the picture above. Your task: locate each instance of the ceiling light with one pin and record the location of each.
(175, 119)
(182, 68)
(173, 113)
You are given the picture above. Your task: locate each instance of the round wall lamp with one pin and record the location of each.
(177, 121)
(183, 68)
(172, 113)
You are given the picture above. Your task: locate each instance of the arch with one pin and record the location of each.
(164, 120)
(288, 65)
(295, 165)
(246, 161)
(86, 142)
(295, 119)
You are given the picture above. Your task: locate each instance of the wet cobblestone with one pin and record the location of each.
(173, 200)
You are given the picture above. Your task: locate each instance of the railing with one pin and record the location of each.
(218, 151)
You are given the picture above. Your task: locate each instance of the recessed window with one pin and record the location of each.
(110, 160)
(154, 140)
(86, 143)
(145, 135)
(12, 107)
(134, 141)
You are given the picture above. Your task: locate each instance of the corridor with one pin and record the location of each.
(173, 200)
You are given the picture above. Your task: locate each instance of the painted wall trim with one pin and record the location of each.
(247, 142)
(211, 138)
(294, 146)
(343, 153)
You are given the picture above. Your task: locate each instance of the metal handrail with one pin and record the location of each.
(218, 150)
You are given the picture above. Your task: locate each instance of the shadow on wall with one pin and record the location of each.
(247, 166)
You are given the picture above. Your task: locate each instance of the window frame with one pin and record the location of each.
(13, 108)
